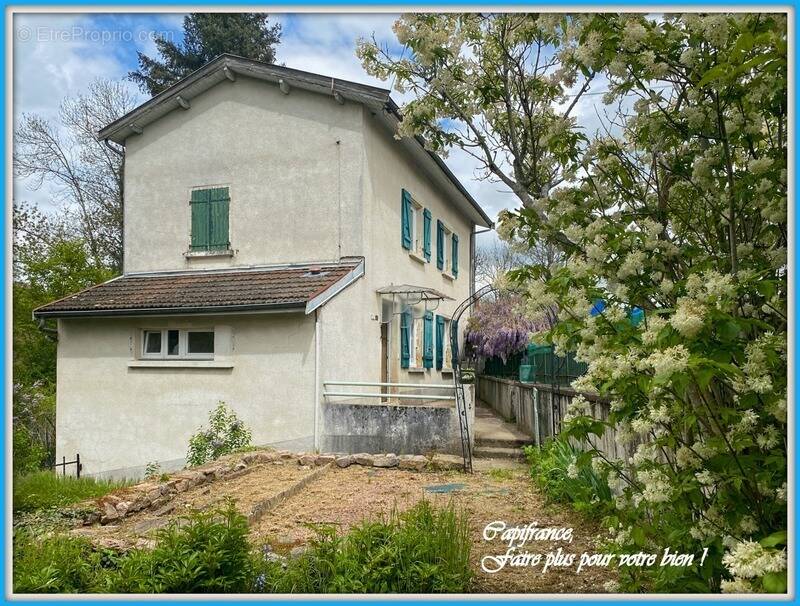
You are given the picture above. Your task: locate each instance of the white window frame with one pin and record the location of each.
(183, 344)
(417, 251)
(447, 353)
(447, 243)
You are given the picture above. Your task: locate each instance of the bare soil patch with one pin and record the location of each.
(344, 497)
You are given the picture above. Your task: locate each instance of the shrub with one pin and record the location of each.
(424, 550)
(54, 564)
(555, 468)
(44, 489)
(205, 552)
(226, 434)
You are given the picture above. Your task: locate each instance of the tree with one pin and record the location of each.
(49, 262)
(494, 261)
(205, 37)
(86, 174)
(677, 207)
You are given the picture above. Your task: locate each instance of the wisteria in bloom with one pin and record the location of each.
(500, 328)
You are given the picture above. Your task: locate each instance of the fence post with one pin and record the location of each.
(63, 467)
(78, 464)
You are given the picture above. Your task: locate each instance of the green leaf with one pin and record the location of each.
(775, 539)
(716, 72)
(774, 582)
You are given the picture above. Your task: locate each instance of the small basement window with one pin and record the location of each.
(171, 344)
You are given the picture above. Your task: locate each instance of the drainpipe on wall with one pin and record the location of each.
(50, 333)
(317, 392)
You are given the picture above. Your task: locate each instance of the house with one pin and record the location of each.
(278, 238)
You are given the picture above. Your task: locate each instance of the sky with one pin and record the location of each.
(58, 55)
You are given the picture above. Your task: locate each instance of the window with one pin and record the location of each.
(416, 228)
(176, 344)
(446, 250)
(210, 208)
(443, 345)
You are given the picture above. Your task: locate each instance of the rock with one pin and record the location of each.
(153, 495)
(324, 459)
(296, 552)
(307, 459)
(109, 513)
(182, 485)
(285, 454)
(447, 462)
(165, 510)
(266, 457)
(415, 462)
(345, 460)
(162, 500)
(250, 458)
(93, 517)
(122, 508)
(387, 460)
(149, 524)
(365, 459)
(240, 466)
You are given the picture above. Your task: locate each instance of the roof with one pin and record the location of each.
(227, 66)
(297, 287)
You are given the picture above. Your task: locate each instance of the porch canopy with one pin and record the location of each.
(407, 296)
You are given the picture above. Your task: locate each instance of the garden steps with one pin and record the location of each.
(495, 452)
(496, 438)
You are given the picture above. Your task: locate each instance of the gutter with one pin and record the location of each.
(169, 311)
(319, 299)
(394, 109)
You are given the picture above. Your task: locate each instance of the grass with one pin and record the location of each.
(502, 475)
(588, 492)
(423, 550)
(45, 489)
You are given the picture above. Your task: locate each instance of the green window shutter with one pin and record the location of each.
(454, 344)
(426, 234)
(427, 340)
(455, 256)
(439, 342)
(201, 221)
(406, 220)
(218, 226)
(405, 334)
(439, 244)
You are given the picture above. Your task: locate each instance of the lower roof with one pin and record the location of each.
(296, 287)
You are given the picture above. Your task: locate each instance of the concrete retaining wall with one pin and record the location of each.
(358, 426)
(538, 408)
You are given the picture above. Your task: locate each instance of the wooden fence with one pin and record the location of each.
(538, 408)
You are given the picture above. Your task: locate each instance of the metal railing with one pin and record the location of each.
(389, 395)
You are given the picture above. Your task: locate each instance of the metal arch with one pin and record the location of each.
(461, 404)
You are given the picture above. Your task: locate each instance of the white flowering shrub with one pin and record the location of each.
(685, 218)
(678, 207)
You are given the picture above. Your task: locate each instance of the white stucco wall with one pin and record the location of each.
(310, 180)
(293, 165)
(120, 418)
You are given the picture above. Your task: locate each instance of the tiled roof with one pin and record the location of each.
(202, 291)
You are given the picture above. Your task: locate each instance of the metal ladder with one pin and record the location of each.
(461, 401)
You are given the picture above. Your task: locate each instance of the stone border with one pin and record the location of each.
(152, 495)
(259, 509)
